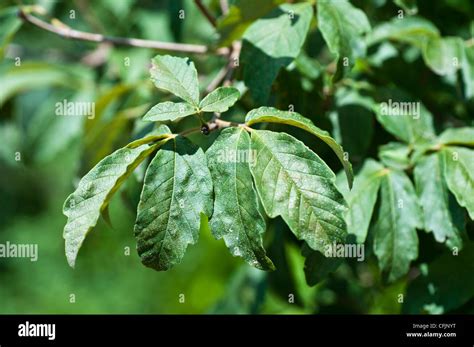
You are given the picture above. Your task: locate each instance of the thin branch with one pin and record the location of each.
(224, 75)
(221, 75)
(69, 33)
(212, 125)
(206, 13)
(98, 56)
(220, 124)
(233, 61)
(224, 6)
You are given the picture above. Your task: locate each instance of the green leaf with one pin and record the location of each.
(457, 136)
(342, 25)
(10, 23)
(271, 43)
(317, 267)
(236, 217)
(412, 30)
(407, 120)
(294, 183)
(84, 206)
(384, 52)
(160, 133)
(446, 283)
(395, 238)
(272, 115)
(468, 71)
(307, 66)
(434, 198)
(240, 16)
(169, 111)
(459, 173)
(361, 199)
(444, 55)
(395, 155)
(177, 76)
(220, 100)
(352, 96)
(409, 6)
(177, 189)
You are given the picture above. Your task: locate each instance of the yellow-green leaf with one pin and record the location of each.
(169, 111)
(220, 100)
(84, 206)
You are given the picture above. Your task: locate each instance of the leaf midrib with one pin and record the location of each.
(237, 197)
(167, 230)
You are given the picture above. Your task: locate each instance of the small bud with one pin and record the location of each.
(205, 129)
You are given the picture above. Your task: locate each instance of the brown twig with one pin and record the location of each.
(220, 124)
(224, 6)
(221, 75)
(213, 124)
(206, 13)
(69, 33)
(233, 61)
(224, 75)
(98, 56)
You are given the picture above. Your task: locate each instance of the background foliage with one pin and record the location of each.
(295, 64)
